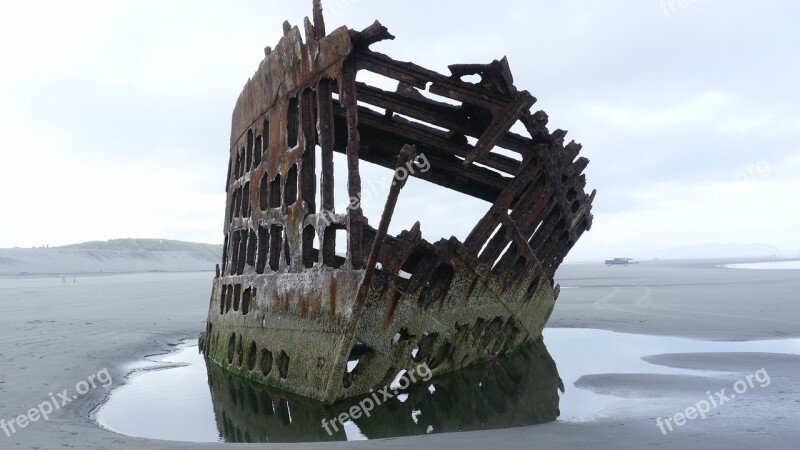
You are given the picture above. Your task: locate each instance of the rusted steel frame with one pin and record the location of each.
(574, 201)
(431, 137)
(365, 287)
(509, 232)
(411, 132)
(307, 176)
(583, 212)
(553, 266)
(557, 137)
(406, 154)
(486, 226)
(497, 242)
(225, 253)
(536, 125)
(482, 231)
(395, 250)
(404, 246)
(326, 139)
(539, 216)
(581, 224)
(545, 231)
(554, 251)
(228, 178)
(325, 128)
(538, 210)
(514, 226)
(580, 164)
(513, 232)
(440, 131)
(441, 114)
(500, 126)
(575, 182)
(426, 266)
(553, 161)
(420, 262)
(529, 195)
(526, 225)
(370, 35)
(378, 148)
(571, 151)
(348, 97)
(419, 77)
(456, 252)
(550, 266)
(509, 259)
(497, 73)
(319, 20)
(423, 134)
(458, 183)
(449, 171)
(552, 248)
(234, 251)
(242, 252)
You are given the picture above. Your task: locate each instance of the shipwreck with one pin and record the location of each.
(300, 317)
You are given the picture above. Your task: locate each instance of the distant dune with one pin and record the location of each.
(150, 245)
(114, 256)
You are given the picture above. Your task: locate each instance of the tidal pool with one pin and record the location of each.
(181, 397)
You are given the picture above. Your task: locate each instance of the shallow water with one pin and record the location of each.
(584, 351)
(190, 401)
(175, 404)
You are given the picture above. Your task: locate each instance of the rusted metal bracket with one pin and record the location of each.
(406, 154)
(500, 125)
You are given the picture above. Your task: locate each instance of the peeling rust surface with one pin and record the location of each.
(302, 311)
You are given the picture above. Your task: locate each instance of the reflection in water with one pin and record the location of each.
(518, 389)
(175, 403)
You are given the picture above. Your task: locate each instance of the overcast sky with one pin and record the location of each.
(115, 116)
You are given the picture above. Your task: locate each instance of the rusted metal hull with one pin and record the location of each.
(288, 314)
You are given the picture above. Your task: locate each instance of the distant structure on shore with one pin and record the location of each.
(287, 311)
(621, 261)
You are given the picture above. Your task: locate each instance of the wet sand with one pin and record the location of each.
(56, 335)
(683, 298)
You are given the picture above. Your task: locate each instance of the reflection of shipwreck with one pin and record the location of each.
(515, 390)
(291, 315)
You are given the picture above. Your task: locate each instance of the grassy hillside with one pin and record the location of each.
(152, 245)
